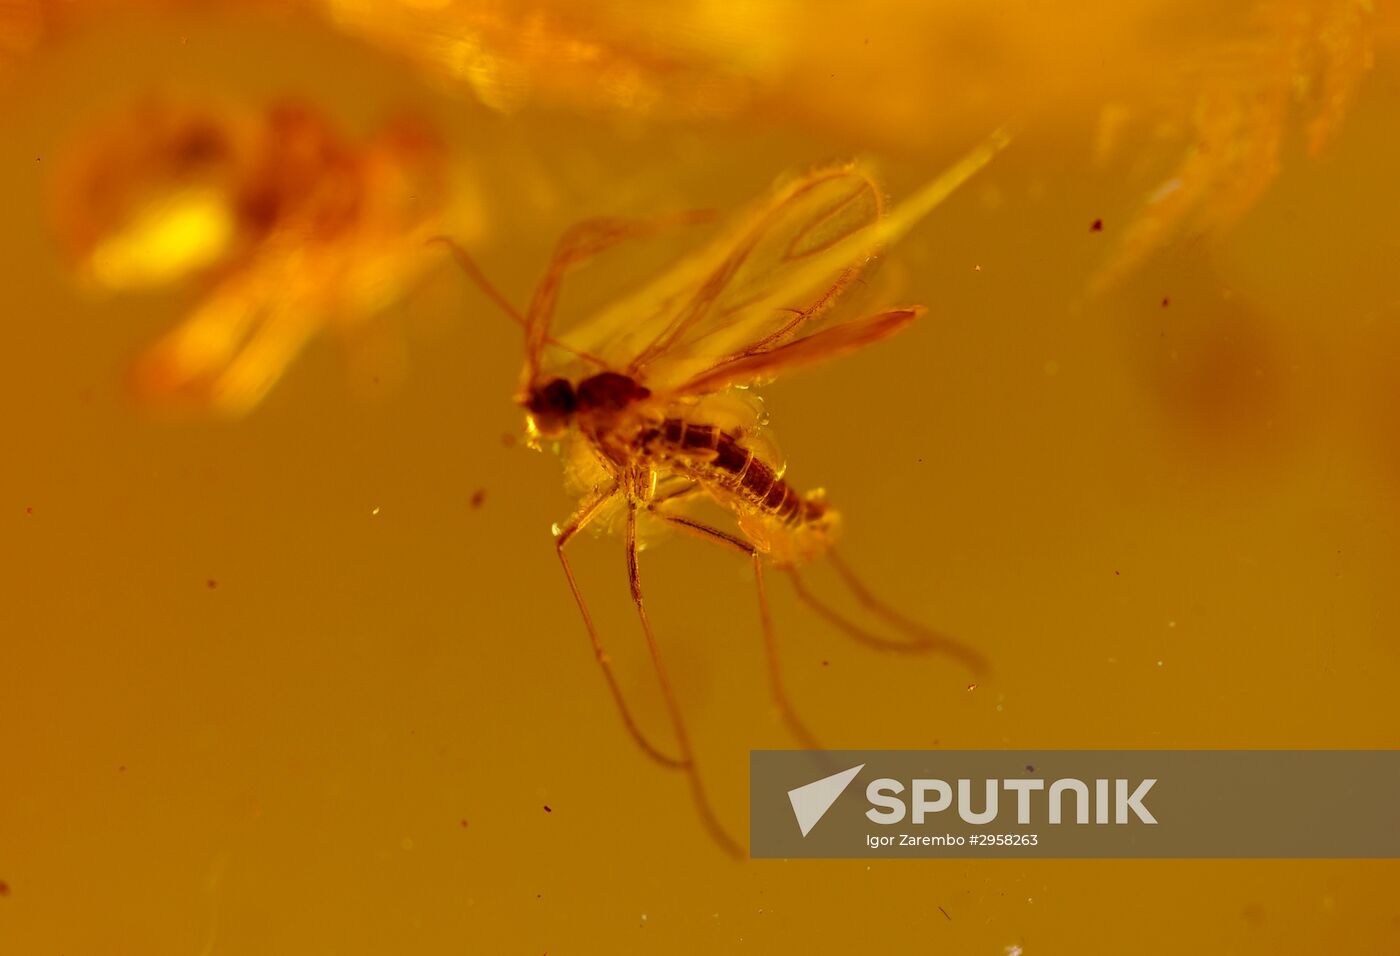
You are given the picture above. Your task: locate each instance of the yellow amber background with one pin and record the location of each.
(1168, 526)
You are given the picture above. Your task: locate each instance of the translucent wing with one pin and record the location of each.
(742, 303)
(759, 285)
(818, 347)
(579, 244)
(719, 281)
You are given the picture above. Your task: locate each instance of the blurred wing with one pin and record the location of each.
(818, 347)
(760, 285)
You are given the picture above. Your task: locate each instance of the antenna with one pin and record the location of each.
(473, 271)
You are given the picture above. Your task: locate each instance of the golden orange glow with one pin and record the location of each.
(296, 669)
(167, 240)
(290, 228)
(1307, 56)
(645, 396)
(597, 57)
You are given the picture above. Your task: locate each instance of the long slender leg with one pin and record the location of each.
(671, 495)
(776, 688)
(921, 640)
(576, 524)
(697, 788)
(935, 640)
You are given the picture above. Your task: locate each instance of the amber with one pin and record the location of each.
(271, 682)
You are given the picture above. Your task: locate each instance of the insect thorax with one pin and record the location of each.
(639, 437)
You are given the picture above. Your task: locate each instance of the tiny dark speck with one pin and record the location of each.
(121, 769)
(478, 497)
(1030, 768)
(1096, 226)
(211, 584)
(1117, 572)
(826, 663)
(4, 888)
(29, 510)
(547, 809)
(1166, 301)
(464, 824)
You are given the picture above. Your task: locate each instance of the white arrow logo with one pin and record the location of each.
(810, 802)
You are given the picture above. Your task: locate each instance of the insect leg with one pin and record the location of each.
(679, 492)
(934, 640)
(230, 351)
(776, 689)
(921, 640)
(261, 361)
(697, 789)
(576, 524)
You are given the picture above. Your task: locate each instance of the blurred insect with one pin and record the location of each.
(294, 229)
(1302, 63)
(639, 391)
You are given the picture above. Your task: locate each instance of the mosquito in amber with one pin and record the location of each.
(639, 400)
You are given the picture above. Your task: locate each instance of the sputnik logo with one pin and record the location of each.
(811, 801)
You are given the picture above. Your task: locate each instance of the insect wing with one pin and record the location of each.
(721, 283)
(820, 346)
(758, 288)
(778, 276)
(747, 337)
